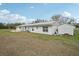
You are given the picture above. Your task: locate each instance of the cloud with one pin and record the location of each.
(20, 19)
(8, 16)
(5, 11)
(0, 4)
(4, 14)
(30, 20)
(77, 19)
(66, 14)
(32, 7)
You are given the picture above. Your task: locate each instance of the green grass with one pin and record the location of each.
(67, 45)
(45, 37)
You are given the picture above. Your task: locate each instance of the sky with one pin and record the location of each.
(27, 12)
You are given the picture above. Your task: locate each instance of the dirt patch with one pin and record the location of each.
(15, 45)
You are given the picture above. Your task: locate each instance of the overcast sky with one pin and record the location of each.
(28, 12)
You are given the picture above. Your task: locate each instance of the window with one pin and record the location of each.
(45, 29)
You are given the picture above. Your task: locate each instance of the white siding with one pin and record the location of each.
(66, 29)
(62, 29)
(20, 28)
(40, 30)
(53, 30)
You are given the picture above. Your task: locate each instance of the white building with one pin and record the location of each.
(50, 28)
(66, 29)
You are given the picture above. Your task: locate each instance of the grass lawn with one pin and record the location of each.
(33, 44)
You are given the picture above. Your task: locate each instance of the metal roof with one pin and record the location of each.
(40, 24)
(54, 23)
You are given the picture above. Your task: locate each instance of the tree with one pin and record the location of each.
(3, 26)
(39, 21)
(63, 20)
(56, 17)
(13, 25)
(71, 21)
(77, 25)
(9, 25)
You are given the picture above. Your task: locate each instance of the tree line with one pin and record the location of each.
(58, 18)
(9, 25)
